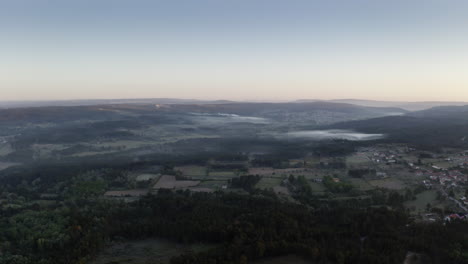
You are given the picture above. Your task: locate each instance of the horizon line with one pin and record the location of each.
(231, 100)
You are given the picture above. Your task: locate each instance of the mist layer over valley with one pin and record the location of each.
(333, 134)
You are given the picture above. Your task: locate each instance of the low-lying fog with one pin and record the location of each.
(332, 134)
(229, 118)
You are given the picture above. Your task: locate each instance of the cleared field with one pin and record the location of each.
(295, 162)
(170, 182)
(170, 133)
(156, 251)
(146, 177)
(443, 164)
(422, 199)
(213, 184)
(358, 160)
(222, 174)
(388, 183)
(360, 184)
(267, 183)
(201, 189)
(284, 260)
(281, 190)
(192, 171)
(261, 171)
(317, 187)
(124, 193)
(112, 147)
(268, 171)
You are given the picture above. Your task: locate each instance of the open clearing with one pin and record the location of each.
(124, 193)
(358, 160)
(389, 183)
(170, 182)
(146, 177)
(281, 190)
(284, 260)
(269, 171)
(222, 174)
(360, 184)
(192, 171)
(317, 187)
(157, 251)
(268, 182)
(422, 199)
(201, 189)
(213, 184)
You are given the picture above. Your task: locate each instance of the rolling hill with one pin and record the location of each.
(437, 126)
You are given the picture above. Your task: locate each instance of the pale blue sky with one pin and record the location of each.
(239, 49)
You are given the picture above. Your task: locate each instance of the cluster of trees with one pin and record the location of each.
(336, 186)
(299, 186)
(359, 173)
(246, 182)
(425, 132)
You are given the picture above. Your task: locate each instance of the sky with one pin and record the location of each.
(408, 50)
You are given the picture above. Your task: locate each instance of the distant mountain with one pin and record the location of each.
(24, 104)
(410, 106)
(446, 112)
(316, 113)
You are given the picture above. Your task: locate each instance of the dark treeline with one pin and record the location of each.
(246, 182)
(359, 173)
(258, 226)
(424, 132)
(245, 228)
(336, 186)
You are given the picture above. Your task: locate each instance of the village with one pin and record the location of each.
(444, 173)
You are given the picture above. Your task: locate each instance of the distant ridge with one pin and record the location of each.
(86, 102)
(440, 126)
(410, 106)
(307, 113)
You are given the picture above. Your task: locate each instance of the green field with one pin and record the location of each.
(192, 171)
(213, 184)
(360, 184)
(317, 187)
(267, 183)
(283, 260)
(146, 177)
(358, 160)
(422, 199)
(389, 183)
(157, 251)
(222, 174)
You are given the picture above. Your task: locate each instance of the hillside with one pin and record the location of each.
(317, 112)
(433, 127)
(409, 106)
